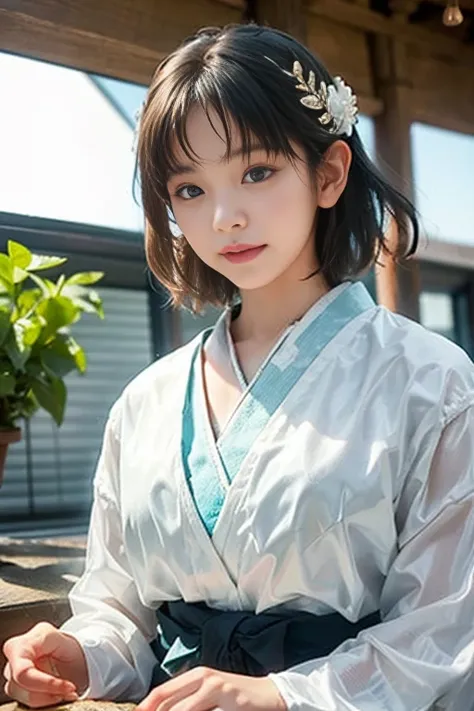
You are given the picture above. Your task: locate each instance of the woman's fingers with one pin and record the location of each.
(25, 674)
(30, 668)
(34, 699)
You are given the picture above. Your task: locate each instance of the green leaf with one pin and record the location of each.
(51, 286)
(27, 331)
(78, 354)
(59, 285)
(19, 254)
(47, 286)
(7, 384)
(5, 324)
(92, 308)
(34, 367)
(57, 359)
(6, 272)
(57, 312)
(86, 300)
(40, 262)
(17, 352)
(19, 275)
(51, 396)
(96, 301)
(56, 364)
(20, 339)
(63, 355)
(27, 300)
(85, 278)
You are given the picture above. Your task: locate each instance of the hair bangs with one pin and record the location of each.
(244, 121)
(242, 108)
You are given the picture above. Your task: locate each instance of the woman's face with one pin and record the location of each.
(251, 221)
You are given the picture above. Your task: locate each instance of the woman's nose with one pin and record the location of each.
(228, 217)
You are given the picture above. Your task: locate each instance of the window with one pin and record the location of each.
(437, 312)
(66, 144)
(444, 180)
(366, 131)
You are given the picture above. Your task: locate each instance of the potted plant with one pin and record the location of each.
(37, 350)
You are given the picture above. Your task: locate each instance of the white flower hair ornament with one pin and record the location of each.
(336, 101)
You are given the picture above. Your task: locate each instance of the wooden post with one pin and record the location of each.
(286, 15)
(398, 283)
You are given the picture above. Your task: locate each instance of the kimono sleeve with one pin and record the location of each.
(109, 620)
(423, 651)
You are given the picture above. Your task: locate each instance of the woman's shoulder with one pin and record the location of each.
(428, 362)
(417, 343)
(158, 381)
(164, 368)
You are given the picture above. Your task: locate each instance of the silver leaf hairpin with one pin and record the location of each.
(336, 101)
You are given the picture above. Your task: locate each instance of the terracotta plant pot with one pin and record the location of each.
(7, 437)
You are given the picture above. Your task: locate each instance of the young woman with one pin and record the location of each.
(290, 496)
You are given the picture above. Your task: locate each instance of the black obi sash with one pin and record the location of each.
(193, 634)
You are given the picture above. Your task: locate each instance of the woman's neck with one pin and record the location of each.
(266, 312)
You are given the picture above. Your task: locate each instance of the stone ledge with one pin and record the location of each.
(76, 706)
(38, 569)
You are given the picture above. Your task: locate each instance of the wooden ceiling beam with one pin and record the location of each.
(355, 15)
(236, 4)
(69, 46)
(119, 38)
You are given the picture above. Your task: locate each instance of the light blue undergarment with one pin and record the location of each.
(262, 398)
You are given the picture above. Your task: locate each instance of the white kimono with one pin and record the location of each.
(347, 473)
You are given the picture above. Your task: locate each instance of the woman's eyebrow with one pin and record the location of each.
(183, 168)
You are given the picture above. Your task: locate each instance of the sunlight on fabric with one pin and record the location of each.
(378, 450)
(444, 179)
(66, 149)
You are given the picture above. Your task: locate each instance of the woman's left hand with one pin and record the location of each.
(203, 689)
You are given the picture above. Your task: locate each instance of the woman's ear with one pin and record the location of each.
(332, 173)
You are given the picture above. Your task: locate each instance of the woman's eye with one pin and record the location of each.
(257, 175)
(192, 192)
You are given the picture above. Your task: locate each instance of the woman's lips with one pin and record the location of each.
(242, 253)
